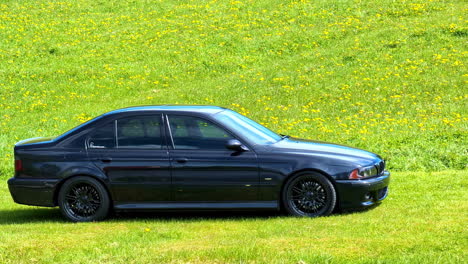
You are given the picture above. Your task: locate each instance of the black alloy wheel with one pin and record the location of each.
(83, 199)
(309, 194)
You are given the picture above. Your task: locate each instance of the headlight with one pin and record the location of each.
(364, 172)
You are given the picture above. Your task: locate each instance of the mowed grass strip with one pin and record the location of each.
(422, 221)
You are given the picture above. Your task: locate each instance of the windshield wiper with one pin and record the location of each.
(284, 136)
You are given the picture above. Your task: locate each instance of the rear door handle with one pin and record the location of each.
(106, 160)
(181, 160)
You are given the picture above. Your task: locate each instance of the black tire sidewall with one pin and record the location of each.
(321, 179)
(103, 210)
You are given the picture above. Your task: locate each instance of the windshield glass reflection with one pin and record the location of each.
(247, 127)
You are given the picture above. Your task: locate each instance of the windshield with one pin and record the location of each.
(247, 127)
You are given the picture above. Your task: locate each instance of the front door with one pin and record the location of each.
(203, 169)
(133, 155)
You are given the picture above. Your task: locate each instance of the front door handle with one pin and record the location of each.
(181, 160)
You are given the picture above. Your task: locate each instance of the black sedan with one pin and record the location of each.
(190, 157)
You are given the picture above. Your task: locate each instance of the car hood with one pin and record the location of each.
(304, 146)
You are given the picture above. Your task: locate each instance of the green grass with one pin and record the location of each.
(388, 76)
(422, 221)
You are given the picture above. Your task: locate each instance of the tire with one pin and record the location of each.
(309, 194)
(83, 199)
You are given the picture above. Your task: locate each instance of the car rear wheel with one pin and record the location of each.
(83, 199)
(309, 194)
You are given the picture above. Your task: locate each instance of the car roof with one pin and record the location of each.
(209, 109)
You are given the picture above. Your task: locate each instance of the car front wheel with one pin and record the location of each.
(83, 199)
(309, 194)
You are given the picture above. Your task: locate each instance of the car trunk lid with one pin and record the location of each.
(35, 140)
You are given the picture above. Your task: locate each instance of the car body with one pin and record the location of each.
(190, 157)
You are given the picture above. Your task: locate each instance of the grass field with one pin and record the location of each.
(422, 221)
(389, 76)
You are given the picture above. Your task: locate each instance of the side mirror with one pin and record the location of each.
(236, 145)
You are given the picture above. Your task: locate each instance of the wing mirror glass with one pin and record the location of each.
(236, 145)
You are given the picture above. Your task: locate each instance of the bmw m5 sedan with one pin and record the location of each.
(175, 157)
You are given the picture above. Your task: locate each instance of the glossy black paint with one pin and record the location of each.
(167, 178)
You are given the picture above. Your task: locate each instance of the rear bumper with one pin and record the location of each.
(362, 193)
(38, 192)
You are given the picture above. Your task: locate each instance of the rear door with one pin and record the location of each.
(132, 152)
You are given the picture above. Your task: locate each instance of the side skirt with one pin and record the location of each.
(272, 205)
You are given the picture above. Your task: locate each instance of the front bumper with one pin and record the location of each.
(362, 193)
(38, 192)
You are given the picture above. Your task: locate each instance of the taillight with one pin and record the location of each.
(18, 165)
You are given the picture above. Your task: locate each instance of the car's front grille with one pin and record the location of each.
(380, 167)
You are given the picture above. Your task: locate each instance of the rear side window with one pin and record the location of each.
(103, 137)
(139, 132)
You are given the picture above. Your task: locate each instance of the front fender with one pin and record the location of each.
(276, 169)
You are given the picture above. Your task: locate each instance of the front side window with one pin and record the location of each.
(196, 133)
(139, 132)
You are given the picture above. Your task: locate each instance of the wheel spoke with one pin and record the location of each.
(297, 189)
(71, 197)
(298, 196)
